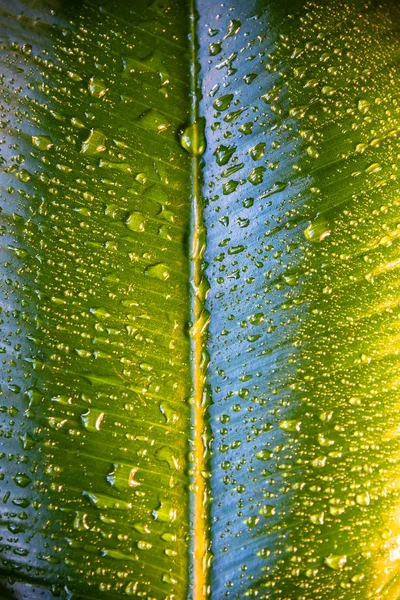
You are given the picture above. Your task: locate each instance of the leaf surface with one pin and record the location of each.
(103, 486)
(302, 212)
(96, 374)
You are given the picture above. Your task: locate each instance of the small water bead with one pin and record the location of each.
(336, 561)
(102, 501)
(22, 480)
(97, 87)
(363, 106)
(131, 588)
(363, 499)
(141, 528)
(95, 143)
(251, 522)
(223, 154)
(153, 120)
(317, 519)
(328, 90)
(258, 151)
(278, 186)
(246, 128)
(374, 168)
(267, 511)
(256, 177)
(290, 425)
(122, 477)
(92, 419)
(233, 116)
(142, 545)
(231, 170)
(324, 441)
(193, 138)
(214, 48)
(312, 152)
(165, 512)
(317, 231)
(233, 28)
(136, 221)
(158, 271)
(229, 187)
(223, 102)
(26, 49)
(170, 456)
(319, 462)
(42, 142)
(169, 412)
(264, 454)
(168, 578)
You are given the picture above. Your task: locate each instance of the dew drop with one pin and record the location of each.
(158, 271)
(42, 142)
(336, 561)
(193, 138)
(317, 231)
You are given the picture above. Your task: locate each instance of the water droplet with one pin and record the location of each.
(144, 545)
(233, 28)
(267, 511)
(95, 143)
(363, 106)
(258, 151)
(236, 249)
(122, 477)
(102, 501)
(327, 90)
(257, 175)
(97, 87)
(170, 456)
(92, 419)
(193, 138)
(42, 142)
(317, 231)
(165, 512)
(223, 154)
(214, 48)
(27, 441)
(363, 499)
(136, 221)
(336, 561)
(158, 271)
(153, 120)
(22, 480)
(169, 412)
(373, 168)
(229, 187)
(317, 519)
(223, 102)
(319, 462)
(264, 454)
(290, 425)
(252, 521)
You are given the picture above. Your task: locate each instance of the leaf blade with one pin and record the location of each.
(292, 337)
(96, 213)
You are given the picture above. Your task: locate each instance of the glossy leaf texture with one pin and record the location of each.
(302, 212)
(301, 208)
(94, 296)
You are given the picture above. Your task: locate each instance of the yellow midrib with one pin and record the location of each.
(200, 525)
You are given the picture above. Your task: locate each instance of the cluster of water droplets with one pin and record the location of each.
(94, 413)
(302, 220)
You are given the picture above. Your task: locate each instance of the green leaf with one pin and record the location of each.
(199, 300)
(96, 374)
(303, 271)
